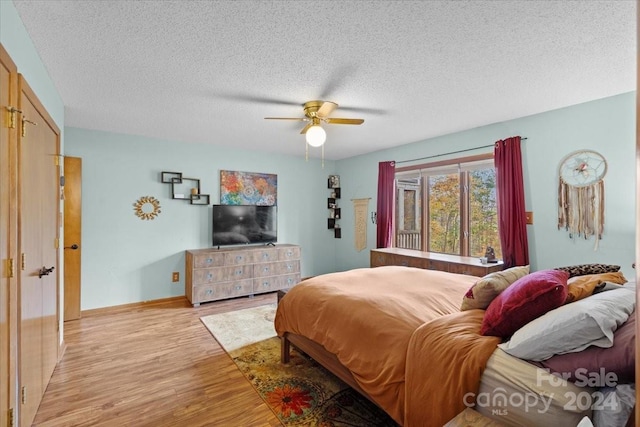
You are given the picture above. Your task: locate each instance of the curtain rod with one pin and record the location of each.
(452, 152)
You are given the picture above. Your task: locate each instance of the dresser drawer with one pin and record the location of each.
(274, 283)
(212, 292)
(292, 252)
(435, 265)
(222, 274)
(274, 268)
(288, 267)
(265, 255)
(237, 258)
(475, 270)
(211, 259)
(378, 259)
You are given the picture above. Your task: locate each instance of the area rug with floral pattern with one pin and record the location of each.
(300, 393)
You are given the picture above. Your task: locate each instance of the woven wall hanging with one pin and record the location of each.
(581, 194)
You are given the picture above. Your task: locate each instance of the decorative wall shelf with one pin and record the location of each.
(332, 204)
(184, 188)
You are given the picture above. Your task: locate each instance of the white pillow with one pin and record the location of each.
(574, 326)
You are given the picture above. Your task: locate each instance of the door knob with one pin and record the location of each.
(73, 247)
(44, 271)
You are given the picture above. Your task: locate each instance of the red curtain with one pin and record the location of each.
(510, 196)
(386, 196)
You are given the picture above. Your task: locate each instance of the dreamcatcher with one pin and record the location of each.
(581, 194)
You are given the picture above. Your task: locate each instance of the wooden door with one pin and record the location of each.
(38, 194)
(72, 236)
(8, 237)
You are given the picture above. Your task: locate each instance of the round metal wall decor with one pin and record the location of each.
(147, 207)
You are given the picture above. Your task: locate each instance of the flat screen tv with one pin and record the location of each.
(240, 224)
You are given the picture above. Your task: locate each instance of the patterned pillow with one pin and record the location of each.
(486, 289)
(582, 269)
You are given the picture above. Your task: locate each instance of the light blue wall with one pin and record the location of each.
(126, 259)
(606, 126)
(18, 44)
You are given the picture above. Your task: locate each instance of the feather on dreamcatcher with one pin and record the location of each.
(581, 194)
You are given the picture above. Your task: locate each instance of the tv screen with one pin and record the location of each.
(241, 224)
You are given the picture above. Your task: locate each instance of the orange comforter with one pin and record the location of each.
(378, 322)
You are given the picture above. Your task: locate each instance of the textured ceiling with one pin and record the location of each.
(210, 71)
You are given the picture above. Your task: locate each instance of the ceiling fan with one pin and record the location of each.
(317, 112)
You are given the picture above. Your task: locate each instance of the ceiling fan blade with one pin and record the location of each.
(337, 121)
(299, 119)
(356, 109)
(306, 128)
(326, 108)
(253, 98)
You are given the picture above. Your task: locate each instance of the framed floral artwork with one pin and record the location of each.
(248, 188)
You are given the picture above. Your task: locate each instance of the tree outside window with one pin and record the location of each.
(459, 199)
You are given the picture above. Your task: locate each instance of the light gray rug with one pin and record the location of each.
(240, 328)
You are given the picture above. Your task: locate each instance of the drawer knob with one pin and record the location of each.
(238, 287)
(209, 275)
(289, 267)
(209, 291)
(265, 284)
(209, 260)
(238, 272)
(239, 258)
(265, 269)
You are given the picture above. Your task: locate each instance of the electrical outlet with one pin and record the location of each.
(175, 277)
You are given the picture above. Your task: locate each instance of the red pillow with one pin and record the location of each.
(526, 299)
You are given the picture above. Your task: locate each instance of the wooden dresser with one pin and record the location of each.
(213, 274)
(433, 261)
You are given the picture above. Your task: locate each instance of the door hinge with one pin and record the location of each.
(12, 116)
(12, 268)
(56, 243)
(24, 395)
(56, 160)
(10, 419)
(23, 261)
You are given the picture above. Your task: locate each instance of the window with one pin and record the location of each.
(448, 207)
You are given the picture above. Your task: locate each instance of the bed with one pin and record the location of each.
(399, 337)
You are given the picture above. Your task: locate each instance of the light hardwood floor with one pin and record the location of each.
(151, 365)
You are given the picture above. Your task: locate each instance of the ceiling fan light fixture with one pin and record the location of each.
(315, 136)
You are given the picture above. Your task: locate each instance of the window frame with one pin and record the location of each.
(457, 165)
